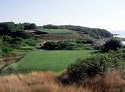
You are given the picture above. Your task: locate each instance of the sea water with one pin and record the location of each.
(120, 34)
(123, 42)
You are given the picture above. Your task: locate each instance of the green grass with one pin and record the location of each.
(55, 31)
(50, 60)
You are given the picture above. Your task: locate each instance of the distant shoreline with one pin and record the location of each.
(119, 34)
(122, 39)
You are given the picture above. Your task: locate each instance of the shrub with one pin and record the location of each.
(7, 39)
(60, 45)
(49, 45)
(84, 41)
(6, 50)
(30, 42)
(89, 42)
(97, 47)
(28, 26)
(16, 42)
(68, 45)
(96, 65)
(80, 41)
(12, 42)
(112, 44)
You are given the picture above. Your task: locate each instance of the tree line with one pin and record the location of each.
(16, 30)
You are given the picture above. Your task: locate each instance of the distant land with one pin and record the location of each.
(120, 34)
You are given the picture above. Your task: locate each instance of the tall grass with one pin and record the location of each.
(46, 82)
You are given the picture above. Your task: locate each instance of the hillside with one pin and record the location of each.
(93, 32)
(51, 32)
(57, 34)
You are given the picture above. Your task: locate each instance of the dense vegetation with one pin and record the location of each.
(17, 30)
(14, 30)
(60, 45)
(68, 45)
(13, 36)
(94, 66)
(112, 44)
(20, 37)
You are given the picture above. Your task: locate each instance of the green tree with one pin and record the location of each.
(28, 26)
(112, 44)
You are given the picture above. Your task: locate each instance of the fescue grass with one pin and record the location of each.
(55, 61)
(47, 82)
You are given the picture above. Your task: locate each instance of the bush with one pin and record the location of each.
(84, 41)
(49, 46)
(112, 44)
(12, 42)
(16, 42)
(60, 45)
(97, 47)
(30, 42)
(68, 45)
(6, 50)
(80, 41)
(6, 38)
(89, 42)
(28, 26)
(96, 65)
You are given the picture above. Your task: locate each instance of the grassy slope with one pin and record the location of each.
(50, 60)
(58, 34)
(55, 31)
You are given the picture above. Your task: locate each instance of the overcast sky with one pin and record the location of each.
(107, 14)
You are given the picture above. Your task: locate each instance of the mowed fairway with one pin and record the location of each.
(50, 60)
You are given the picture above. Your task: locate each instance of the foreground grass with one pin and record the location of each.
(47, 82)
(50, 60)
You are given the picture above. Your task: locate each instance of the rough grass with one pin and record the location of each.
(46, 82)
(55, 31)
(58, 34)
(50, 60)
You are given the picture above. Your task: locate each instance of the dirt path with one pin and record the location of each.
(8, 61)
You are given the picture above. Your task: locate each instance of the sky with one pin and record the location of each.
(106, 14)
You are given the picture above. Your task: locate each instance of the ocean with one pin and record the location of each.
(120, 34)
